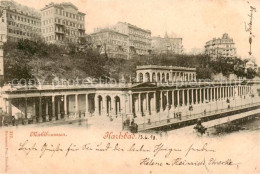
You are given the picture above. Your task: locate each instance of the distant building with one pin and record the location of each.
(62, 23)
(111, 42)
(221, 47)
(124, 39)
(167, 45)
(18, 22)
(139, 39)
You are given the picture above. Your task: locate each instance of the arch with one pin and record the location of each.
(158, 77)
(117, 105)
(147, 77)
(163, 77)
(153, 77)
(140, 77)
(108, 105)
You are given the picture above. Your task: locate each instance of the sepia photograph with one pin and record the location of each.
(129, 86)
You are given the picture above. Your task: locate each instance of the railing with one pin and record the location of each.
(169, 120)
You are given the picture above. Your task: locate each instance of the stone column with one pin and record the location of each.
(188, 97)
(53, 108)
(10, 107)
(47, 110)
(147, 104)
(76, 105)
(217, 93)
(40, 110)
(178, 98)
(183, 98)
(161, 101)
(212, 94)
(33, 108)
(104, 108)
(65, 107)
(86, 105)
(25, 108)
(167, 100)
(96, 105)
(192, 97)
(200, 96)
(59, 115)
(204, 95)
(153, 112)
(113, 105)
(208, 94)
(131, 103)
(139, 104)
(172, 107)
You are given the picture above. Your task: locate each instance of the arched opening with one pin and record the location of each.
(163, 77)
(140, 77)
(117, 105)
(153, 77)
(108, 105)
(147, 77)
(158, 77)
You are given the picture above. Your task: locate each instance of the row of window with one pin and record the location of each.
(22, 33)
(140, 33)
(63, 22)
(23, 19)
(15, 39)
(26, 27)
(59, 38)
(62, 13)
(139, 45)
(139, 39)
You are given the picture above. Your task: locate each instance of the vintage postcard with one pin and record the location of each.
(129, 86)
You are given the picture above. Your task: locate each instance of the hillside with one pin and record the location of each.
(28, 59)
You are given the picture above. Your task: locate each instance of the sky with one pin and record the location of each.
(196, 21)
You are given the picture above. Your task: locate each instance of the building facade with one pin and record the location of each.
(62, 23)
(138, 40)
(18, 22)
(111, 43)
(167, 45)
(221, 47)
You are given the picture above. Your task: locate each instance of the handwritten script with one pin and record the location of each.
(151, 155)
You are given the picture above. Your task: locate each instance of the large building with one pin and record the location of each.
(167, 45)
(62, 23)
(139, 39)
(18, 22)
(111, 42)
(221, 47)
(127, 39)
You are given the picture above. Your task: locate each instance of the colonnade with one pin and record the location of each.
(168, 76)
(149, 103)
(135, 103)
(56, 107)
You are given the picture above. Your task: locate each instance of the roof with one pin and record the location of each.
(108, 30)
(133, 26)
